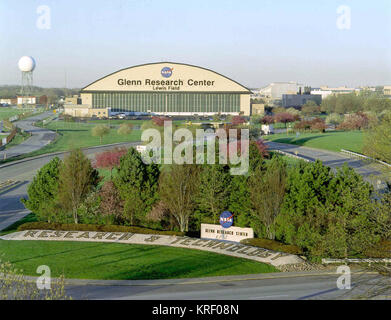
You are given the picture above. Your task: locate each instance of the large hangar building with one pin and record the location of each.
(163, 88)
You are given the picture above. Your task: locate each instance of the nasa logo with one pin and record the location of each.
(226, 219)
(167, 72)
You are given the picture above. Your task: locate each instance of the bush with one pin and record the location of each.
(272, 245)
(94, 227)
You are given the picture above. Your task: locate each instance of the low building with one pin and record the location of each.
(298, 100)
(85, 111)
(275, 90)
(29, 100)
(257, 108)
(8, 101)
(338, 90)
(387, 90)
(72, 100)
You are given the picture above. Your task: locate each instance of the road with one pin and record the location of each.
(371, 172)
(281, 286)
(11, 209)
(40, 137)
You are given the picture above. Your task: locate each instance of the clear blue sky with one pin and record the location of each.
(254, 42)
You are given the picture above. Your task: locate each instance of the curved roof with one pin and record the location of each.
(184, 78)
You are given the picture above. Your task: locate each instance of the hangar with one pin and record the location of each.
(163, 88)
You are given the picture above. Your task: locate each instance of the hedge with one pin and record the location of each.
(272, 245)
(381, 250)
(93, 227)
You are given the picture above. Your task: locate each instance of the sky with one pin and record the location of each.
(253, 42)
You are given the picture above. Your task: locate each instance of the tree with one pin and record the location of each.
(355, 121)
(284, 117)
(267, 120)
(334, 119)
(111, 203)
(328, 214)
(77, 178)
(137, 185)
(109, 159)
(310, 108)
(378, 140)
(177, 190)
(99, 131)
(267, 191)
(43, 190)
(238, 120)
(213, 193)
(125, 129)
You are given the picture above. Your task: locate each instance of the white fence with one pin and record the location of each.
(359, 155)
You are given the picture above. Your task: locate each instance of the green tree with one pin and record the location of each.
(334, 119)
(137, 185)
(43, 190)
(267, 191)
(177, 190)
(77, 178)
(213, 193)
(378, 140)
(99, 131)
(239, 201)
(125, 129)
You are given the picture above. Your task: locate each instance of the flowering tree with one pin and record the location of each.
(238, 120)
(159, 121)
(356, 121)
(285, 117)
(109, 159)
(267, 120)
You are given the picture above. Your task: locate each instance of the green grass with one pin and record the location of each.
(332, 140)
(78, 135)
(7, 112)
(87, 260)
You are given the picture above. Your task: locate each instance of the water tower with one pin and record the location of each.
(26, 66)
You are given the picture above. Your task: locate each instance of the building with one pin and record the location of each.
(30, 100)
(163, 88)
(387, 90)
(8, 101)
(298, 100)
(338, 90)
(72, 100)
(257, 108)
(275, 90)
(323, 93)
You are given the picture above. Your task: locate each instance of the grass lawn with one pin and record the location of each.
(78, 135)
(332, 140)
(6, 112)
(83, 260)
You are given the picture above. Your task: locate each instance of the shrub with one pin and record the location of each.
(272, 245)
(93, 227)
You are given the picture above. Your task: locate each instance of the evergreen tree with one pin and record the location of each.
(214, 190)
(43, 190)
(137, 184)
(77, 178)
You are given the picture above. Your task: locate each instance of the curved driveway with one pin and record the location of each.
(40, 136)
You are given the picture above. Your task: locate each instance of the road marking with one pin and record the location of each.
(275, 296)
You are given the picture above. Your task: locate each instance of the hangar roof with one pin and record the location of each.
(166, 77)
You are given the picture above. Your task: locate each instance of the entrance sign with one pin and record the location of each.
(228, 248)
(226, 219)
(215, 231)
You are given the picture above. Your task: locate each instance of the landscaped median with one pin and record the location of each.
(216, 246)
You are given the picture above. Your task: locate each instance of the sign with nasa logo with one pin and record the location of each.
(235, 234)
(167, 72)
(226, 219)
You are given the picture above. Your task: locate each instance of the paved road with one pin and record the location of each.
(40, 137)
(11, 209)
(371, 172)
(282, 286)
